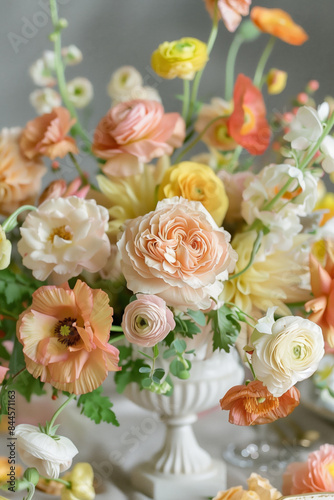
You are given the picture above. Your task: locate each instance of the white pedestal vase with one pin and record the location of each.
(182, 469)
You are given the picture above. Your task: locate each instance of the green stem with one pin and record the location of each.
(79, 169)
(230, 65)
(243, 312)
(186, 97)
(58, 480)
(256, 248)
(263, 61)
(251, 368)
(56, 37)
(198, 77)
(281, 192)
(115, 328)
(317, 145)
(11, 221)
(116, 339)
(198, 138)
(60, 409)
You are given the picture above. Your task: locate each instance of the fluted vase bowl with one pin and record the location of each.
(182, 469)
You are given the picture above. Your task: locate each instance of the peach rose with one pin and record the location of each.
(20, 178)
(140, 129)
(147, 320)
(313, 476)
(65, 336)
(230, 11)
(178, 253)
(46, 135)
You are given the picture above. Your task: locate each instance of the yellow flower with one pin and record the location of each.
(326, 202)
(128, 197)
(272, 280)
(276, 81)
(5, 250)
(81, 478)
(196, 182)
(180, 59)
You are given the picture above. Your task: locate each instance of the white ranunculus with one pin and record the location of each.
(5, 250)
(63, 237)
(44, 100)
(286, 351)
(50, 456)
(307, 126)
(80, 91)
(123, 82)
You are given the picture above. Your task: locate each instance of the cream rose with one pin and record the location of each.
(48, 455)
(178, 253)
(286, 351)
(147, 320)
(5, 250)
(63, 237)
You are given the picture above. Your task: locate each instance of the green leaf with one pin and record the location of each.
(179, 345)
(27, 385)
(176, 367)
(144, 369)
(184, 374)
(97, 407)
(198, 317)
(17, 362)
(146, 383)
(4, 354)
(169, 353)
(159, 373)
(130, 373)
(226, 328)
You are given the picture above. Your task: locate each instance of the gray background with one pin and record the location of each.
(112, 33)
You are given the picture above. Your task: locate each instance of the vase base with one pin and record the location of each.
(181, 487)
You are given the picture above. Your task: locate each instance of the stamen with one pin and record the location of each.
(260, 406)
(67, 333)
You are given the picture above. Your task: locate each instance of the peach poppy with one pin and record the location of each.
(279, 23)
(322, 284)
(46, 135)
(313, 476)
(247, 124)
(65, 336)
(230, 11)
(253, 404)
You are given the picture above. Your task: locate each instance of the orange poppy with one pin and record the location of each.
(253, 404)
(248, 125)
(279, 23)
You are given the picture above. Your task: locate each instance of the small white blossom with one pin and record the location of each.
(44, 100)
(123, 82)
(80, 92)
(307, 126)
(42, 74)
(71, 55)
(48, 455)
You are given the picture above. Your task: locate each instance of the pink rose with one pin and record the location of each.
(139, 128)
(147, 320)
(178, 253)
(312, 476)
(230, 11)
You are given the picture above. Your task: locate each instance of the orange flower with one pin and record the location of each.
(253, 404)
(279, 23)
(65, 336)
(247, 124)
(322, 284)
(46, 135)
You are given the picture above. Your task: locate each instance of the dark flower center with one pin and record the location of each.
(67, 333)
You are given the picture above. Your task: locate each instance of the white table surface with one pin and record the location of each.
(114, 451)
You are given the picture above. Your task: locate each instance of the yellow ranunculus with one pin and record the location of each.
(276, 81)
(81, 478)
(196, 182)
(327, 203)
(5, 250)
(180, 59)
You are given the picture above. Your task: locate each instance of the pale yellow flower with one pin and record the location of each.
(180, 58)
(5, 250)
(236, 493)
(262, 487)
(81, 478)
(198, 182)
(273, 279)
(128, 197)
(276, 81)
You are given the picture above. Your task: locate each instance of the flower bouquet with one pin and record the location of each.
(133, 269)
